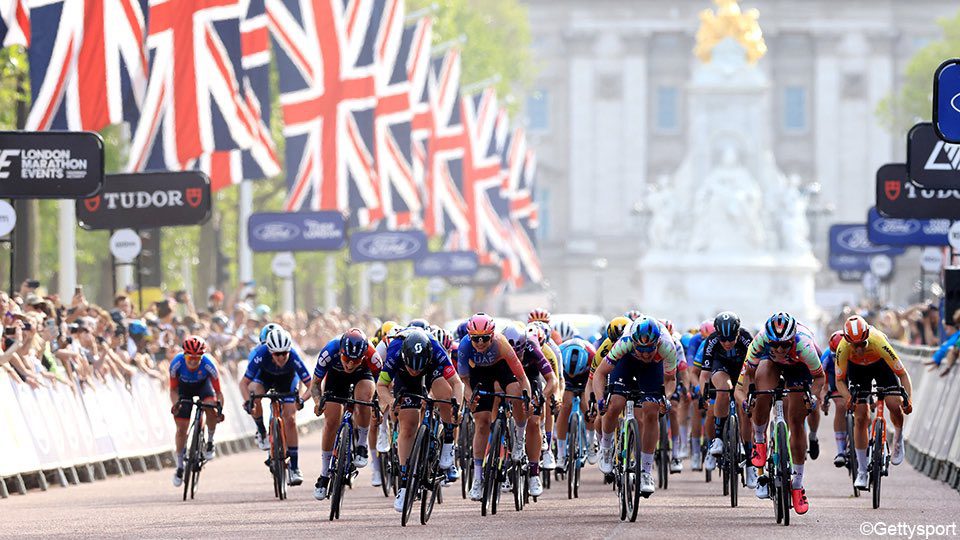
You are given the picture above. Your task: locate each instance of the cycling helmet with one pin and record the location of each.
(137, 328)
(461, 331)
(353, 343)
(727, 325)
(668, 324)
(633, 314)
(417, 349)
(706, 328)
(576, 358)
(515, 336)
(222, 320)
(616, 327)
(266, 330)
(856, 330)
(383, 330)
(535, 333)
(835, 339)
(278, 340)
(646, 333)
(781, 327)
(419, 323)
(565, 330)
(194, 346)
(444, 338)
(480, 324)
(539, 314)
(393, 333)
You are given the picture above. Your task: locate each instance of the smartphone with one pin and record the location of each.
(8, 331)
(33, 283)
(78, 290)
(27, 327)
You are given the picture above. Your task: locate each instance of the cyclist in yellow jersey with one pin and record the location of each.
(863, 357)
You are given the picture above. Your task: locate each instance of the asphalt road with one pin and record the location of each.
(235, 499)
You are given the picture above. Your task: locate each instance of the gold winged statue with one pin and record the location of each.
(730, 21)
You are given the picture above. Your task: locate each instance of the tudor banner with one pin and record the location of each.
(50, 164)
(898, 197)
(147, 201)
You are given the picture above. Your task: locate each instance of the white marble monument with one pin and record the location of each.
(728, 230)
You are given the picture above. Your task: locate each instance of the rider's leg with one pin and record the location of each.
(289, 415)
(332, 413)
(364, 391)
(797, 413)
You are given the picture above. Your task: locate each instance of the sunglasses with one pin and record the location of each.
(646, 348)
(781, 344)
(480, 339)
(280, 354)
(193, 356)
(856, 343)
(731, 339)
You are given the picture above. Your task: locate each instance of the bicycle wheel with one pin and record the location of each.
(279, 458)
(876, 463)
(707, 473)
(188, 461)
(491, 468)
(431, 483)
(573, 453)
(465, 450)
(197, 464)
(414, 473)
(852, 465)
(663, 454)
(341, 470)
(632, 470)
(394, 469)
(386, 474)
(732, 451)
(784, 473)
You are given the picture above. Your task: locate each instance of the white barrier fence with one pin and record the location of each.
(52, 429)
(932, 437)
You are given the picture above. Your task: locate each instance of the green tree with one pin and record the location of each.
(914, 102)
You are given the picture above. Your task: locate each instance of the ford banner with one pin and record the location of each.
(296, 231)
(147, 201)
(851, 239)
(446, 264)
(387, 246)
(906, 232)
(50, 164)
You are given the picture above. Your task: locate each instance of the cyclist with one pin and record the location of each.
(828, 360)
(565, 330)
(542, 316)
(416, 364)
(535, 367)
(694, 352)
(615, 329)
(644, 359)
(485, 359)
(678, 414)
(723, 356)
(787, 349)
(382, 332)
(864, 356)
(275, 365)
(193, 373)
(347, 361)
(578, 356)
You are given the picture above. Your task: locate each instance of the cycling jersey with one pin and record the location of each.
(330, 359)
(717, 358)
(878, 348)
(828, 361)
(693, 344)
(261, 364)
(602, 351)
(552, 352)
(698, 354)
(666, 352)
(500, 350)
(804, 351)
(394, 366)
(531, 356)
(181, 375)
(681, 354)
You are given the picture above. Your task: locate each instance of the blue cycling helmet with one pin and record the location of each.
(461, 330)
(781, 327)
(576, 358)
(646, 333)
(137, 328)
(727, 325)
(266, 330)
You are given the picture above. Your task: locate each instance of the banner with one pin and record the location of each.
(446, 264)
(387, 246)
(487, 275)
(851, 239)
(898, 197)
(906, 232)
(50, 164)
(847, 262)
(296, 231)
(147, 201)
(931, 162)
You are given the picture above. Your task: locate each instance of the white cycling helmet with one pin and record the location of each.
(278, 340)
(566, 330)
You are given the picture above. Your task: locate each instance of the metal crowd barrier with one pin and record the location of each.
(105, 428)
(931, 435)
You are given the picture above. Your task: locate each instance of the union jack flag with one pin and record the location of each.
(230, 167)
(397, 52)
(524, 212)
(88, 66)
(193, 103)
(447, 211)
(326, 60)
(421, 124)
(14, 23)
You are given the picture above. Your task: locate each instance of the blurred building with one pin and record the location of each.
(608, 118)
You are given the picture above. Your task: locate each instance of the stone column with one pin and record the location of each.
(580, 107)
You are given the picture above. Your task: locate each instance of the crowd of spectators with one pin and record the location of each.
(48, 341)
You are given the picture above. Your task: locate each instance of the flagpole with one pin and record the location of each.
(415, 16)
(480, 85)
(67, 249)
(244, 255)
(441, 49)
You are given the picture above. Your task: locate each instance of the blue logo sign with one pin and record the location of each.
(906, 232)
(446, 264)
(387, 246)
(851, 239)
(946, 101)
(296, 231)
(849, 263)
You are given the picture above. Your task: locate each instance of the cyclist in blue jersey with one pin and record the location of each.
(275, 365)
(193, 373)
(829, 361)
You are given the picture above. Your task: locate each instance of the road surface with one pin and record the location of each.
(235, 499)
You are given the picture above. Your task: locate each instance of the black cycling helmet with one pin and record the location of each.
(417, 349)
(727, 325)
(354, 343)
(419, 323)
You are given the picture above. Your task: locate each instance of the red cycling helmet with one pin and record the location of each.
(539, 314)
(194, 346)
(480, 324)
(706, 328)
(835, 339)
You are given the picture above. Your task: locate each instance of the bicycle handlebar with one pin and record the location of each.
(195, 401)
(328, 396)
(502, 395)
